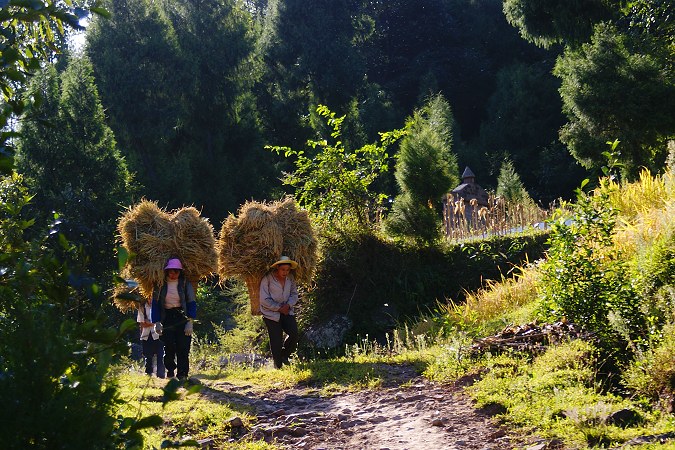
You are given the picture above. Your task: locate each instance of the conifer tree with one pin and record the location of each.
(71, 161)
(426, 169)
(509, 184)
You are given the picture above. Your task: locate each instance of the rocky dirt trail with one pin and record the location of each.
(407, 412)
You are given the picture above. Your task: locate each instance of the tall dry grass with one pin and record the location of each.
(494, 302)
(646, 210)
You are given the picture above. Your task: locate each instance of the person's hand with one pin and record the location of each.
(147, 324)
(188, 328)
(159, 328)
(285, 309)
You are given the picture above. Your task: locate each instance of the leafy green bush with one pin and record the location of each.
(335, 183)
(586, 279)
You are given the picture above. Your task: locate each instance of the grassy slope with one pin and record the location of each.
(556, 395)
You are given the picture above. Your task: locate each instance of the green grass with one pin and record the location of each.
(555, 396)
(189, 415)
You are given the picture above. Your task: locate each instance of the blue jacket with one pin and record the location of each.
(187, 295)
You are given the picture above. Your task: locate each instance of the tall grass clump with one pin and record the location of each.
(648, 193)
(648, 234)
(498, 304)
(652, 374)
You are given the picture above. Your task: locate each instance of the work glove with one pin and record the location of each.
(159, 328)
(188, 328)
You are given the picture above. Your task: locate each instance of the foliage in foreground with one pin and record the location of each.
(55, 350)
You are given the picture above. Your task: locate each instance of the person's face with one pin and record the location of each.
(283, 270)
(173, 274)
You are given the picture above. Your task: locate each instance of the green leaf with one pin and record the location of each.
(122, 257)
(10, 55)
(127, 325)
(153, 421)
(63, 241)
(101, 12)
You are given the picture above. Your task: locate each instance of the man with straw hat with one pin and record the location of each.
(278, 295)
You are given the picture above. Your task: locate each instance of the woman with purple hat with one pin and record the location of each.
(278, 295)
(174, 308)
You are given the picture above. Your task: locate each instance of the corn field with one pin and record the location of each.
(467, 219)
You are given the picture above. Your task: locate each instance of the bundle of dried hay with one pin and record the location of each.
(299, 240)
(127, 296)
(257, 237)
(152, 236)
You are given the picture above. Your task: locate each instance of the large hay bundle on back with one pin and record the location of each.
(257, 237)
(152, 236)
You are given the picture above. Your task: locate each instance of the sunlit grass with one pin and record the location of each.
(649, 192)
(191, 415)
(498, 304)
(554, 396)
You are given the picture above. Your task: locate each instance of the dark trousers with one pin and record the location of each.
(282, 348)
(151, 348)
(176, 344)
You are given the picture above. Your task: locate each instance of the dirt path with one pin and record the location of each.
(408, 412)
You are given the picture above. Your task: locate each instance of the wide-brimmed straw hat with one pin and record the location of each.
(285, 260)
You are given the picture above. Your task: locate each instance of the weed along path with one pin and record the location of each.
(407, 412)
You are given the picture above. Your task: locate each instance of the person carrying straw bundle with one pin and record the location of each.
(168, 252)
(152, 345)
(270, 244)
(278, 296)
(174, 308)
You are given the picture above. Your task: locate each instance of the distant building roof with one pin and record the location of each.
(469, 189)
(468, 173)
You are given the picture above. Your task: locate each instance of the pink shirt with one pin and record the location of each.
(172, 299)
